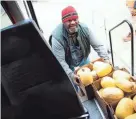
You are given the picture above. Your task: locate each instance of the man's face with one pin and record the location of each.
(72, 25)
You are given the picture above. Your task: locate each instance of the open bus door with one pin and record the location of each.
(29, 68)
(69, 105)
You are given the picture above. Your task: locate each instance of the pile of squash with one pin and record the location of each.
(113, 88)
(93, 71)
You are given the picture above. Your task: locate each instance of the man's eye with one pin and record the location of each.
(75, 19)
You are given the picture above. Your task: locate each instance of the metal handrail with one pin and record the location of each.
(132, 44)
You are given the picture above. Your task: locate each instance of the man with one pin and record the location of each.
(132, 11)
(71, 42)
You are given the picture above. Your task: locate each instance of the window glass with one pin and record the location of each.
(5, 20)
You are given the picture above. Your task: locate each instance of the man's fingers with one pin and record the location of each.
(108, 61)
(77, 79)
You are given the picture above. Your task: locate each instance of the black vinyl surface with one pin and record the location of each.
(32, 78)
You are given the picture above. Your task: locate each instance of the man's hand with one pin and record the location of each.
(76, 79)
(107, 61)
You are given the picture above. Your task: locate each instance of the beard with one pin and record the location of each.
(72, 29)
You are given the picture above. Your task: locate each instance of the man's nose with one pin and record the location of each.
(73, 22)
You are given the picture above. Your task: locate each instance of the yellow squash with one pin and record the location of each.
(86, 78)
(107, 82)
(84, 69)
(102, 69)
(134, 103)
(112, 94)
(94, 74)
(133, 116)
(121, 74)
(124, 108)
(125, 85)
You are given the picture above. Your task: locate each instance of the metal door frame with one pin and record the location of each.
(132, 43)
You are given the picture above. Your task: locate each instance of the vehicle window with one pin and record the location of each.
(5, 20)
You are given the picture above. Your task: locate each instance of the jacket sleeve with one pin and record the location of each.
(98, 46)
(59, 53)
